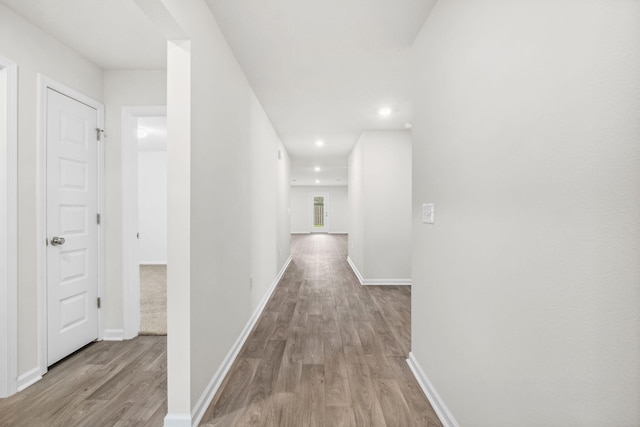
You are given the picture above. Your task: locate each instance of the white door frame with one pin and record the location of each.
(45, 83)
(9, 237)
(130, 258)
(325, 229)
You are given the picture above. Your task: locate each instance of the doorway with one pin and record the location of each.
(152, 224)
(319, 213)
(144, 160)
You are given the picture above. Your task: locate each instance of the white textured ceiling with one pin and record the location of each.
(114, 34)
(321, 69)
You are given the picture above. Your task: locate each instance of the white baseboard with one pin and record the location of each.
(377, 282)
(445, 416)
(113, 335)
(177, 420)
(153, 263)
(215, 382)
(315, 232)
(28, 378)
(386, 282)
(355, 269)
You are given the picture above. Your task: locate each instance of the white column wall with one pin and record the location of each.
(526, 296)
(179, 104)
(233, 173)
(380, 206)
(284, 204)
(356, 207)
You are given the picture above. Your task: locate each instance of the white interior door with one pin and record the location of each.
(72, 230)
(319, 213)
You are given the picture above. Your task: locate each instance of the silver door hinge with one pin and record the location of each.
(98, 219)
(99, 302)
(99, 134)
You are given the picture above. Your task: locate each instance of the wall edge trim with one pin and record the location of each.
(355, 270)
(377, 282)
(216, 381)
(113, 335)
(442, 411)
(386, 282)
(29, 378)
(177, 420)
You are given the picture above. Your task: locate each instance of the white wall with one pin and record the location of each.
(152, 206)
(301, 207)
(526, 296)
(356, 207)
(121, 88)
(270, 237)
(380, 205)
(35, 52)
(8, 243)
(227, 199)
(284, 204)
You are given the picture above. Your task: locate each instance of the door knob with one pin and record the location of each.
(55, 241)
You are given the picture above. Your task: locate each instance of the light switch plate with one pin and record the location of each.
(427, 213)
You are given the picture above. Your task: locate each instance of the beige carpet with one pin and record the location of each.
(153, 300)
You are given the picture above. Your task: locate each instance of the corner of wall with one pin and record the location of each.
(437, 403)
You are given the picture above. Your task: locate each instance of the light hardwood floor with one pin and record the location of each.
(105, 384)
(325, 352)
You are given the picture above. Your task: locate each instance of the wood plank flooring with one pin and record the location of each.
(325, 352)
(105, 384)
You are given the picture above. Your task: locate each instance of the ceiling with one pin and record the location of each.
(114, 34)
(321, 69)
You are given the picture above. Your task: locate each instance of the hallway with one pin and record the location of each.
(325, 352)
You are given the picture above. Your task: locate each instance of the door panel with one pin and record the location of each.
(72, 202)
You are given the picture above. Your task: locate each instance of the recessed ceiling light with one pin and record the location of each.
(317, 169)
(319, 143)
(317, 181)
(384, 111)
(142, 133)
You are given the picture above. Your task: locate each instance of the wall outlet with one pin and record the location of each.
(428, 213)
